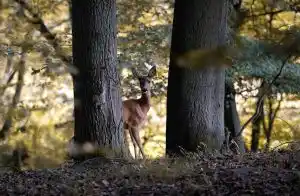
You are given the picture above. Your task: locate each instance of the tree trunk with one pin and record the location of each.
(256, 129)
(257, 123)
(98, 105)
(195, 100)
(272, 113)
(231, 116)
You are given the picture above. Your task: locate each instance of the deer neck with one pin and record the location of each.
(145, 101)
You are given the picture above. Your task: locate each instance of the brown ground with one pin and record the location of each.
(275, 173)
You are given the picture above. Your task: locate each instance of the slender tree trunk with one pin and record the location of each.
(257, 123)
(256, 129)
(98, 106)
(271, 118)
(195, 100)
(232, 120)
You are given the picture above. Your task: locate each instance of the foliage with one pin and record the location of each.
(43, 117)
(47, 99)
(257, 62)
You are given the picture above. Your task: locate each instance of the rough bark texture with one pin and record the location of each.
(98, 106)
(231, 116)
(195, 103)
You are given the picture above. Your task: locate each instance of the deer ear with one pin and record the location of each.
(152, 72)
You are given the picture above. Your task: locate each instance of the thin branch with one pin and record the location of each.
(9, 73)
(266, 13)
(261, 98)
(46, 33)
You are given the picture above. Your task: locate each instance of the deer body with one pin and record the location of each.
(135, 111)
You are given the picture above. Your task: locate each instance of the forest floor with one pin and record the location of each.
(274, 173)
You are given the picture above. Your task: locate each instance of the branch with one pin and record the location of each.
(261, 98)
(45, 32)
(293, 129)
(8, 121)
(266, 13)
(9, 64)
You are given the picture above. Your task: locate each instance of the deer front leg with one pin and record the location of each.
(136, 135)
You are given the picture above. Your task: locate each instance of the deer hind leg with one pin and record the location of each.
(134, 143)
(126, 143)
(136, 135)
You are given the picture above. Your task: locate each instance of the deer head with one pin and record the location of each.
(145, 81)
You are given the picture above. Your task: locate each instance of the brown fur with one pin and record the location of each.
(135, 111)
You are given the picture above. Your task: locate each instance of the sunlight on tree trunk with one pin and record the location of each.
(272, 113)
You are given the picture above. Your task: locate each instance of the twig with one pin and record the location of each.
(288, 124)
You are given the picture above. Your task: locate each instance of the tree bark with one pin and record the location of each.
(231, 116)
(97, 98)
(272, 113)
(257, 123)
(256, 129)
(195, 100)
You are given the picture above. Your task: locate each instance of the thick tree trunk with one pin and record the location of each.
(231, 116)
(195, 102)
(98, 106)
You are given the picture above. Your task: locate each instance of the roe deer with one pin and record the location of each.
(135, 110)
